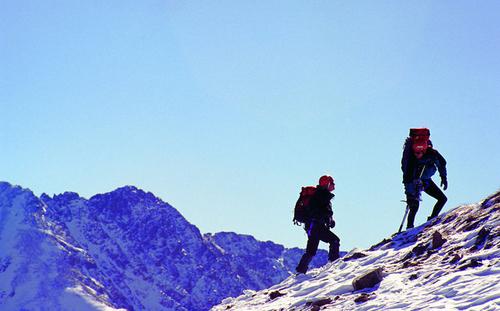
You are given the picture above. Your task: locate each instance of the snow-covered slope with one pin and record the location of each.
(450, 263)
(124, 249)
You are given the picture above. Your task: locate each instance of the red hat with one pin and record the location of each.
(327, 182)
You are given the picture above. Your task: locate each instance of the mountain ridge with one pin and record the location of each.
(123, 249)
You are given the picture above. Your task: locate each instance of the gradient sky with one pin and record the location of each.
(225, 109)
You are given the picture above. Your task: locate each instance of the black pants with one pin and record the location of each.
(318, 232)
(413, 203)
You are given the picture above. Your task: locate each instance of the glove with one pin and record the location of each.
(444, 183)
(331, 222)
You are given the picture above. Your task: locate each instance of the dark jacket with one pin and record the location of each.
(432, 160)
(320, 206)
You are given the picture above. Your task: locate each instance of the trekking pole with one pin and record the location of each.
(404, 218)
(407, 206)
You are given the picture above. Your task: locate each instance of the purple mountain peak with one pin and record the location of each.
(123, 249)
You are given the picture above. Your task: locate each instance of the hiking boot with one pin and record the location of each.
(304, 263)
(334, 252)
(300, 269)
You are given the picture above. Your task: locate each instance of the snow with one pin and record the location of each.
(77, 299)
(462, 274)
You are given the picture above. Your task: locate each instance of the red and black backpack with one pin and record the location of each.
(420, 139)
(301, 212)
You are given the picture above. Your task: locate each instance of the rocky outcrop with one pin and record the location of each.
(368, 280)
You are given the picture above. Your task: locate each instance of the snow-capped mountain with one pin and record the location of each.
(126, 249)
(449, 263)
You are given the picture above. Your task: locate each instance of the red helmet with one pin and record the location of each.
(327, 182)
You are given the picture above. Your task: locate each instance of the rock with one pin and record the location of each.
(437, 240)
(316, 305)
(456, 258)
(355, 256)
(472, 223)
(450, 218)
(473, 263)
(482, 236)
(275, 294)
(431, 252)
(378, 245)
(364, 298)
(491, 200)
(419, 249)
(408, 264)
(322, 302)
(407, 257)
(368, 280)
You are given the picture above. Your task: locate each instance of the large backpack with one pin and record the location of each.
(420, 139)
(301, 212)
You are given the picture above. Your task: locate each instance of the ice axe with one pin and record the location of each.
(407, 206)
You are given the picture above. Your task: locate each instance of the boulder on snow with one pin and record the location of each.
(419, 249)
(317, 304)
(275, 294)
(452, 258)
(364, 297)
(356, 255)
(368, 280)
(481, 238)
(437, 240)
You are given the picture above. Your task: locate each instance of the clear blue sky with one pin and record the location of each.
(225, 108)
